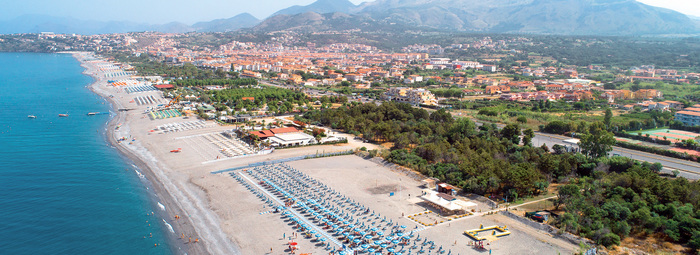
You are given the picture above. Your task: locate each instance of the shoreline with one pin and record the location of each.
(160, 194)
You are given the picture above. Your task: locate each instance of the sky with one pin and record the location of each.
(191, 11)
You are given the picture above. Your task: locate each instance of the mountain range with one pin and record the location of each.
(566, 17)
(60, 25)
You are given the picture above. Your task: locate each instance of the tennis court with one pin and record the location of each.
(670, 134)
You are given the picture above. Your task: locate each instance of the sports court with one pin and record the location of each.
(670, 134)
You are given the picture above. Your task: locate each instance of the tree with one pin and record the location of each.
(528, 135)
(597, 142)
(522, 119)
(511, 132)
(608, 118)
(567, 193)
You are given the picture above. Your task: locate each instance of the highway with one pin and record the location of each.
(688, 169)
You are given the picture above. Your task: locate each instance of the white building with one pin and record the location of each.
(291, 139)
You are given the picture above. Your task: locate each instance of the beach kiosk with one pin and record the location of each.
(447, 204)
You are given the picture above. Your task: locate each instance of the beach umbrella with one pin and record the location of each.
(395, 241)
(357, 241)
(380, 233)
(383, 245)
(292, 243)
(371, 250)
(406, 237)
(364, 246)
(346, 234)
(368, 237)
(399, 234)
(403, 226)
(323, 239)
(391, 249)
(374, 229)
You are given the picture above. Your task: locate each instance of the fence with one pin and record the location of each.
(277, 161)
(574, 239)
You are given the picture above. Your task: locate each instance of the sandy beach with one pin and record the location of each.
(225, 217)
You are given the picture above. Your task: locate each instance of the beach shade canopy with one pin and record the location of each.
(377, 242)
(371, 250)
(383, 245)
(346, 234)
(391, 249)
(398, 253)
(357, 240)
(380, 233)
(364, 246)
(378, 253)
(342, 253)
(399, 234)
(395, 241)
(323, 239)
(318, 235)
(406, 237)
(368, 237)
(312, 231)
(403, 226)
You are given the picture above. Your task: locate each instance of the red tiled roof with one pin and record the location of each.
(283, 130)
(262, 134)
(689, 113)
(164, 86)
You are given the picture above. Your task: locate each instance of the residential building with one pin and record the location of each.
(412, 96)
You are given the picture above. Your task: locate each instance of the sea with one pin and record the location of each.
(63, 188)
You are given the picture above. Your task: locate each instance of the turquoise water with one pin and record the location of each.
(63, 189)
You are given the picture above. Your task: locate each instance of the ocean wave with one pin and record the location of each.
(170, 227)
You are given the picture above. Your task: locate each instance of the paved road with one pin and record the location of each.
(688, 169)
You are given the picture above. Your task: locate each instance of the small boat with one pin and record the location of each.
(31, 117)
(92, 113)
(63, 115)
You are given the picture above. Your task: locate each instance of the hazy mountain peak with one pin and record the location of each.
(242, 20)
(320, 6)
